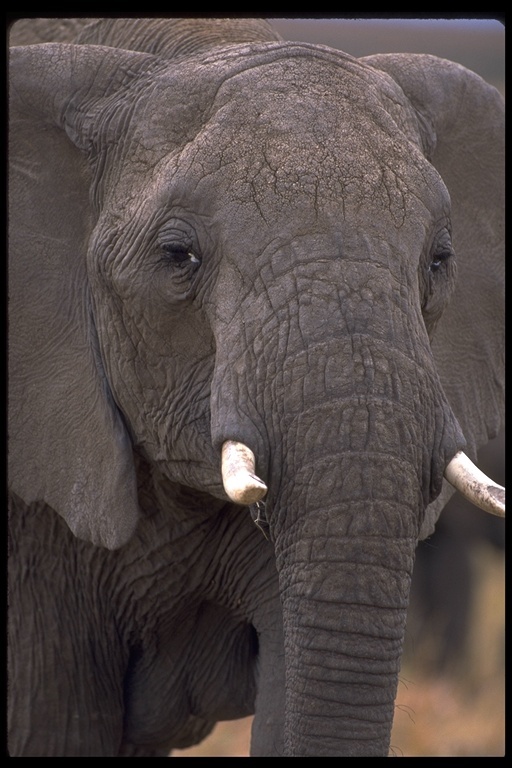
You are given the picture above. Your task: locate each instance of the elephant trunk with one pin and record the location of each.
(345, 498)
(342, 675)
(345, 556)
(350, 432)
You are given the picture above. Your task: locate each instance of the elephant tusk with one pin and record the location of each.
(240, 482)
(474, 485)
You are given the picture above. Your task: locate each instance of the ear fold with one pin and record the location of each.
(462, 121)
(68, 445)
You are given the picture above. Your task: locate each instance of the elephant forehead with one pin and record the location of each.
(312, 102)
(294, 163)
(265, 118)
(283, 131)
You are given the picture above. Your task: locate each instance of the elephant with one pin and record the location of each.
(256, 339)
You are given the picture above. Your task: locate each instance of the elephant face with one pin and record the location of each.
(265, 210)
(259, 244)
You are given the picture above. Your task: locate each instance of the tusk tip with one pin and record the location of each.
(250, 492)
(496, 500)
(475, 486)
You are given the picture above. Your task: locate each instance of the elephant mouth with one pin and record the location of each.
(243, 486)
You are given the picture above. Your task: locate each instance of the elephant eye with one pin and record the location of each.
(178, 255)
(441, 252)
(437, 281)
(175, 268)
(438, 260)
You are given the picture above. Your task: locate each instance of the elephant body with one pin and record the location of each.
(159, 638)
(222, 241)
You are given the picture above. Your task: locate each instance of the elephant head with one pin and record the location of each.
(276, 272)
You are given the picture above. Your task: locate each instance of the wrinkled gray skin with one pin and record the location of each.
(219, 235)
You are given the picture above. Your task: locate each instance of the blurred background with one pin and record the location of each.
(450, 699)
(477, 43)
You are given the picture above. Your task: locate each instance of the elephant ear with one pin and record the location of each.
(68, 445)
(461, 119)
